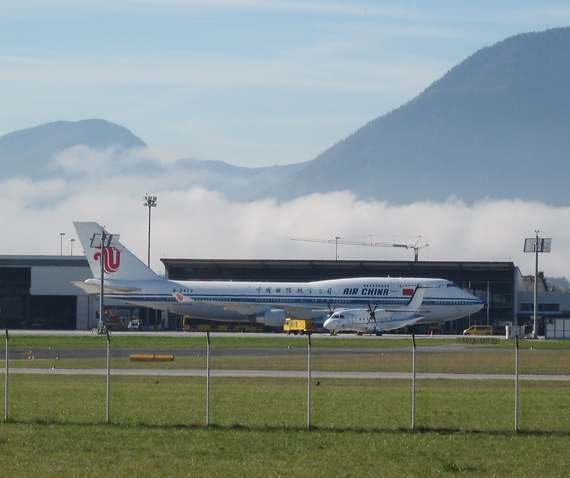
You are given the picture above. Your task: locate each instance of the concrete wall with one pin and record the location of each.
(57, 280)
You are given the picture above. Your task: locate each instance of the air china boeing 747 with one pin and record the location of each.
(128, 279)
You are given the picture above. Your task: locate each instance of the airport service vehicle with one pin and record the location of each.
(113, 320)
(479, 330)
(299, 326)
(190, 324)
(128, 279)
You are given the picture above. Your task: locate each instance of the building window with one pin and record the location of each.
(529, 307)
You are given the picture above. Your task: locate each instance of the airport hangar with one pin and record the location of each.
(37, 291)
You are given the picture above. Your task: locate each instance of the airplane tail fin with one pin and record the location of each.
(120, 263)
(411, 312)
(416, 300)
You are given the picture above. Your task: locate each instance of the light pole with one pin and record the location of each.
(150, 202)
(336, 239)
(71, 241)
(61, 234)
(536, 245)
(103, 242)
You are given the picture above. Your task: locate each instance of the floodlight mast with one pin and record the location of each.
(103, 241)
(535, 305)
(61, 234)
(150, 202)
(536, 245)
(101, 323)
(336, 239)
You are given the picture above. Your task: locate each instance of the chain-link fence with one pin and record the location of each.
(271, 381)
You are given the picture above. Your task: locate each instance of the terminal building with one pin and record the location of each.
(37, 292)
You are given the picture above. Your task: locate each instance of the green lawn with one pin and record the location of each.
(135, 451)
(349, 403)
(262, 340)
(258, 426)
(448, 359)
(338, 404)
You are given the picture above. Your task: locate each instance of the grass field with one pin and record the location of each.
(258, 426)
(263, 340)
(360, 404)
(101, 450)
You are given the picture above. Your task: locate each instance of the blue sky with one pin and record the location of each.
(251, 83)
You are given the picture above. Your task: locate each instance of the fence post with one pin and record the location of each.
(108, 416)
(208, 379)
(413, 382)
(7, 374)
(517, 383)
(309, 382)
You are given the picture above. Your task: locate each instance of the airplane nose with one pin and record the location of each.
(476, 307)
(473, 305)
(473, 308)
(330, 324)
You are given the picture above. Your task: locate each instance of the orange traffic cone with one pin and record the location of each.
(431, 335)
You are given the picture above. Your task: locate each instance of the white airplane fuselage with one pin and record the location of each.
(239, 301)
(127, 279)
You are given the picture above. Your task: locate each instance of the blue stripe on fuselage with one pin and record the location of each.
(299, 301)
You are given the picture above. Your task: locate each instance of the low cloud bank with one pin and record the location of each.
(197, 223)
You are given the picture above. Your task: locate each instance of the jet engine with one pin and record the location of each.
(271, 318)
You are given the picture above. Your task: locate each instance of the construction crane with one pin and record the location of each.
(337, 241)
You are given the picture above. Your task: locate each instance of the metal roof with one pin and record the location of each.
(31, 261)
(247, 269)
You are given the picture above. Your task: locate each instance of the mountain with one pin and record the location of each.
(561, 284)
(28, 152)
(235, 182)
(495, 126)
(68, 150)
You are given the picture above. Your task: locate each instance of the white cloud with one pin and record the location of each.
(486, 231)
(197, 223)
(307, 79)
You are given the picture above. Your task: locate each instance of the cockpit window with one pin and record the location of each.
(450, 284)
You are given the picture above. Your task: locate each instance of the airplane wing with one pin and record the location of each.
(91, 288)
(244, 308)
(399, 322)
(408, 319)
(292, 311)
(408, 311)
(249, 308)
(304, 313)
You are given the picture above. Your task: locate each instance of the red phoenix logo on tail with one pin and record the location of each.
(112, 259)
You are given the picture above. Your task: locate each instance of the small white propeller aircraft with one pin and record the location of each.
(374, 320)
(128, 279)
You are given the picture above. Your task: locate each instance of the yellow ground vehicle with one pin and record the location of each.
(113, 319)
(190, 324)
(479, 330)
(299, 326)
